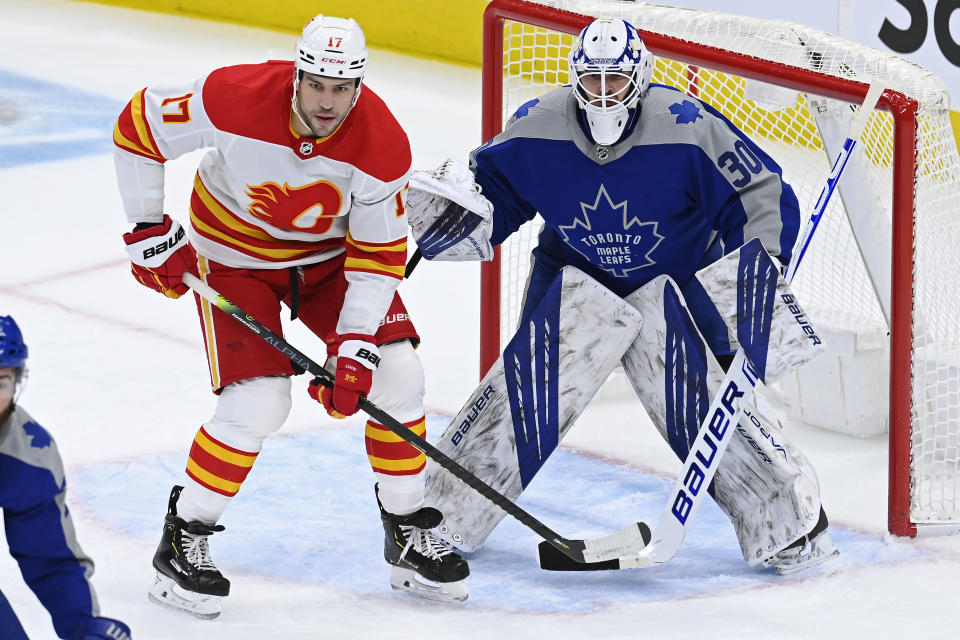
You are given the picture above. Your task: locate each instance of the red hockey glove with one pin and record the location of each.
(160, 255)
(357, 359)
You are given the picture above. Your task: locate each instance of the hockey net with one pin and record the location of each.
(783, 84)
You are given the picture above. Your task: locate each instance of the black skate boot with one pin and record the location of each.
(186, 578)
(414, 552)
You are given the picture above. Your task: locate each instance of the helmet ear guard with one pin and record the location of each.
(609, 49)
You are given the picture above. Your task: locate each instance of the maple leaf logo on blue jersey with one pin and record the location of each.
(524, 109)
(686, 112)
(39, 438)
(610, 238)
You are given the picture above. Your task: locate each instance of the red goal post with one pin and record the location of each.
(525, 44)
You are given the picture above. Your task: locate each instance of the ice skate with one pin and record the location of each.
(187, 579)
(808, 551)
(420, 563)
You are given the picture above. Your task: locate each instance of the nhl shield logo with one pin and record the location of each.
(306, 148)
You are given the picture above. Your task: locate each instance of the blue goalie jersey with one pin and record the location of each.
(681, 188)
(39, 529)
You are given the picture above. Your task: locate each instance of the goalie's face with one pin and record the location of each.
(605, 89)
(323, 103)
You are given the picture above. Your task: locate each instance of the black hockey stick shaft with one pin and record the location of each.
(572, 549)
(414, 261)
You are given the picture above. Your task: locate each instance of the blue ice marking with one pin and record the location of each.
(42, 122)
(306, 514)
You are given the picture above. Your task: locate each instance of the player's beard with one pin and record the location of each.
(328, 129)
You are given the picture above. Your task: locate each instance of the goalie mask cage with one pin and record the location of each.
(911, 185)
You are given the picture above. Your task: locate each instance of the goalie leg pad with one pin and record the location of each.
(762, 482)
(528, 401)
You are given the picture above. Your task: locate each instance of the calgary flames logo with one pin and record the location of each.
(311, 208)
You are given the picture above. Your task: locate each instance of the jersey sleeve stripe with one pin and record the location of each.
(132, 132)
(370, 266)
(394, 245)
(385, 258)
(138, 109)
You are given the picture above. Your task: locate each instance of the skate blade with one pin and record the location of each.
(408, 581)
(806, 562)
(167, 593)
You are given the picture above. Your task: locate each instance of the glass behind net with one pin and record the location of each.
(832, 283)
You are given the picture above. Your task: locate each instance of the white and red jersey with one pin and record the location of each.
(267, 198)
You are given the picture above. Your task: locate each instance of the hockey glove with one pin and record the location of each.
(357, 359)
(160, 255)
(448, 216)
(101, 629)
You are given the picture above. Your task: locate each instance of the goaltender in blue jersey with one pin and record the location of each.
(633, 181)
(669, 193)
(36, 519)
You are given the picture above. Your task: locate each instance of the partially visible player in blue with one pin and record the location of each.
(633, 180)
(36, 519)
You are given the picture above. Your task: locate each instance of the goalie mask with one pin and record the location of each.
(330, 47)
(610, 68)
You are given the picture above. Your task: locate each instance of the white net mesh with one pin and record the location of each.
(834, 284)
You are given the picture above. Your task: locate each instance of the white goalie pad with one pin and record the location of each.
(528, 401)
(763, 316)
(449, 218)
(763, 483)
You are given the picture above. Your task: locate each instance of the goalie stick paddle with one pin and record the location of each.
(574, 550)
(723, 414)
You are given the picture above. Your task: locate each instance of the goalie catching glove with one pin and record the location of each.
(160, 254)
(449, 217)
(357, 359)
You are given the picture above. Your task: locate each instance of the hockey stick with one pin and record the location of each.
(723, 415)
(572, 549)
(414, 261)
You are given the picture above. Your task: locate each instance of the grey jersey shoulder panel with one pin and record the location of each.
(760, 197)
(17, 441)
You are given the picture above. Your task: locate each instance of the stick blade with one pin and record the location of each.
(605, 552)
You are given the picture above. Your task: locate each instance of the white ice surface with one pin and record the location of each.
(119, 378)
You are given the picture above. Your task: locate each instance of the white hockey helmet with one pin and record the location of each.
(611, 50)
(332, 47)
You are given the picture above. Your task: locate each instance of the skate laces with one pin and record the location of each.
(424, 543)
(196, 547)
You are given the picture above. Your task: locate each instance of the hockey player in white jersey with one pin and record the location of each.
(300, 200)
(636, 182)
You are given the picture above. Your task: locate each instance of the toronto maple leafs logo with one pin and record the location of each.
(610, 238)
(686, 112)
(39, 437)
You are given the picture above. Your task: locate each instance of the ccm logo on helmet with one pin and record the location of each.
(334, 60)
(166, 245)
